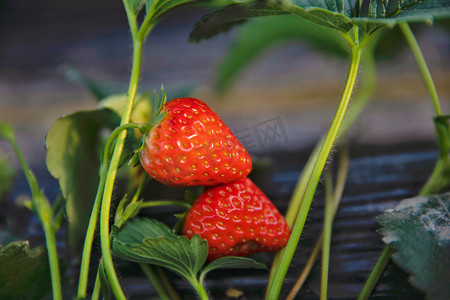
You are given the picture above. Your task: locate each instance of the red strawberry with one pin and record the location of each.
(192, 146)
(236, 219)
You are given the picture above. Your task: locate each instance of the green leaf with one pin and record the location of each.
(137, 230)
(419, 229)
(259, 34)
(340, 15)
(25, 273)
(231, 262)
(73, 143)
(390, 12)
(151, 242)
(314, 11)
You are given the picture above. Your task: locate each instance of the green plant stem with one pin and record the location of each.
(422, 66)
(328, 223)
(142, 182)
(97, 288)
(50, 241)
(201, 292)
(156, 283)
(57, 205)
(43, 210)
(112, 172)
(89, 239)
(433, 182)
(307, 269)
(165, 203)
(375, 274)
(58, 219)
(280, 273)
(431, 185)
(167, 284)
(90, 232)
(360, 101)
(337, 196)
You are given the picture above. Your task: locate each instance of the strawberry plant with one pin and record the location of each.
(184, 144)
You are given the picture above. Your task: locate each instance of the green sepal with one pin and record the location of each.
(135, 159)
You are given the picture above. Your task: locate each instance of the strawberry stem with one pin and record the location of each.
(165, 203)
(138, 36)
(280, 273)
(154, 279)
(112, 172)
(337, 196)
(43, 210)
(198, 288)
(423, 68)
(327, 228)
(90, 232)
(376, 273)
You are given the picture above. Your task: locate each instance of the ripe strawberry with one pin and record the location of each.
(192, 146)
(236, 219)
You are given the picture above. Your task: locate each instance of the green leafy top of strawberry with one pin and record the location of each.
(192, 146)
(236, 219)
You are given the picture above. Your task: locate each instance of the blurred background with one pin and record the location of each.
(282, 102)
(291, 84)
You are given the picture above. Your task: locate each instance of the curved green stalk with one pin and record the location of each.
(161, 273)
(337, 196)
(280, 273)
(412, 42)
(112, 172)
(43, 211)
(138, 40)
(327, 228)
(359, 102)
(97, 288)
(198, 287)
(165, 203)
(90, 232)
(142, 182)
(433, 183)
(375, 274)
(156, 283)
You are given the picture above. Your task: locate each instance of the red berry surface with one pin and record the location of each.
(192, 146)
(236, 219)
